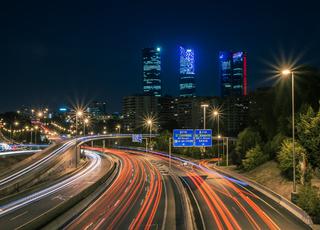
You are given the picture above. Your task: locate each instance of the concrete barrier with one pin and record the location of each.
(53, 213)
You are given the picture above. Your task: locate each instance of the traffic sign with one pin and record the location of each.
(137, 138)
(203, 138)
(183, 138)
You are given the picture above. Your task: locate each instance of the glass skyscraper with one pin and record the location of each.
(151, 71)
(233, 73)
(187, 73)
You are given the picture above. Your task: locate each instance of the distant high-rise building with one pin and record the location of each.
(135, 108)
(97, 108)
(151, 71)
(233, 73)
(187, 73)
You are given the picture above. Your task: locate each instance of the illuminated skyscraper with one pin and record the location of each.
(151, 71)
(187, 73)
(233, 73)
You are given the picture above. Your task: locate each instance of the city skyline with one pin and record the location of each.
(160, 114)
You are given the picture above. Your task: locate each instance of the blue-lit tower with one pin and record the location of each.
(233, 73)
(187, 73)
(151, 71)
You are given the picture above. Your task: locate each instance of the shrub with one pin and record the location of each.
(247, 139)
(309, 200)
(284, 158)
(254, 157)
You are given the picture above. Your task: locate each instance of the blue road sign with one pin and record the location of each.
(137, 138)
(203, 138)
(183, 138)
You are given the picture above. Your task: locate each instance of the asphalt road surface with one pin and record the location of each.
(21, 212)
(148, 194)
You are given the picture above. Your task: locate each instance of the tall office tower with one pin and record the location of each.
(151, 71)
(233, 73)
(187, 73)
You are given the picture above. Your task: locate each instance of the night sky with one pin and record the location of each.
(56, 52)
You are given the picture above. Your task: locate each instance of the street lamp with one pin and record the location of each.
(16, 123)
(204, 106)
(150, 123)
(35, 134)
(85, 122)
(79, 113)
(31, 135)
(217, 114)
(287, 72)
(118, 128)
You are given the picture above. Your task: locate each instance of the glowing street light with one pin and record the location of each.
(35, 134)
(79, 114)
(16, 123)
(149, 121)
(118, 127)
(149, 124)
(287, 72)
(85, 122)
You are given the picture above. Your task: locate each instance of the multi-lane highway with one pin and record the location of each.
(33, 165)
(29, 209)
(147, 194)
(145, 191)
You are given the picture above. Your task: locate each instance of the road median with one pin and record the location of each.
(63, 207)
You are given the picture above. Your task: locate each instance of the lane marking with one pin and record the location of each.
(13, 218)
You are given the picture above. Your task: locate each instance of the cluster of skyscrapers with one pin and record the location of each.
(152, 72)
(185, 110)
(232, 72)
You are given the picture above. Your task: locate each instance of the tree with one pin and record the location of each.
(309, 200)
(254, 157)
(308, 132)
(161, 142)
(273, 146)
(284, 158)
(247, 139)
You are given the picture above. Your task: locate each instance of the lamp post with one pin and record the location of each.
(149, 124)
(39, 114)
(287, 72)
(85, 122)
(118, 128)
(204, 106)
(79, 113)
(31, 135)
(35, 134)
(216, 114)
(16, 123)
